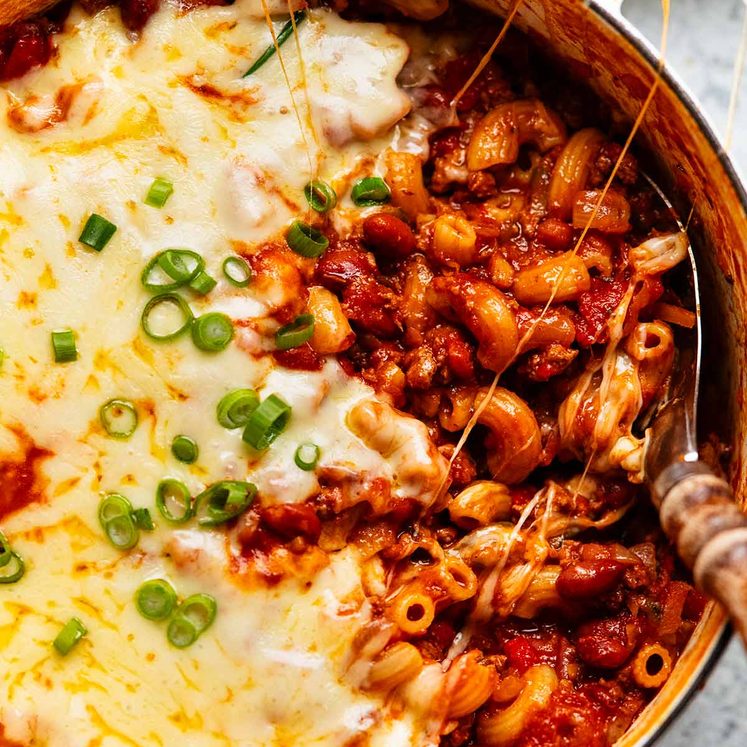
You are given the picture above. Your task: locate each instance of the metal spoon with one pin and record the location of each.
(697, 508)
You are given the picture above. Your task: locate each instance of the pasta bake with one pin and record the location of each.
(324, 370)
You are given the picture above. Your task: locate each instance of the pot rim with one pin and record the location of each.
(649, 53)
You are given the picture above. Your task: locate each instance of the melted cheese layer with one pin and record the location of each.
(89, 133)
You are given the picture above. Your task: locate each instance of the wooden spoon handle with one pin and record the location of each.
(699, 515)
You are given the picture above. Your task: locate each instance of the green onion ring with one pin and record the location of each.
(185, 449)
(112, 506)
(223, 501)
(200, 610)
(299, 331)
(97, 232)
(122, 532)
(174, 493)
(13, 569)
(320, 196)
(166, 298)
(119, 418)
(306, 240)
(155, 599)
(212, 332)
(235, 409)
(202, 283)
(159, 192)
(177, 267)
(306, 456)
(5, 551)
(267, 422)
(237, 271)
(181, 633)
(371, 190)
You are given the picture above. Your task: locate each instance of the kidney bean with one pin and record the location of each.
(135, 13)
(24, 46)
(388, 235)
(606, 643)
(589, 579)
(291, 520)
(340, 265)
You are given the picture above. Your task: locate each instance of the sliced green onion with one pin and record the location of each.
(119, 418)
(296, 333)
(5, 551)
(143, 520)
(202, 283)
(63, 345)
(237, 271)
(371, 190)
(267, 422)
(181, 633)
(171, 269)
(97, 232)
(165, 317)
(174, 501)
(223, 501)
(306, 456)
(236, 407)
(155, 599)
(185, 449)
(280, 39)
(212, 332)
(320, 196)
(70, 636)
(112, 506)
(306, 240)
(159, 192)
(13, 569)
(200, 610)
(122, 532)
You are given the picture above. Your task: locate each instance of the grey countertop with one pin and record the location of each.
(703, 42)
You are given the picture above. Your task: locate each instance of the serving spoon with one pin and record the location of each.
(697, 508)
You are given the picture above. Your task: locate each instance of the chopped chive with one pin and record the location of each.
(63, 345)
(280, 39)
(97, 232)
(119, 418)
(212, 332)
(306, 456)
(185, 449)
(237, 271)
(155, 599)
(70, 636)
(267, 422)
(159, 192)
(306, 240)
(299, 331)
(371, 190)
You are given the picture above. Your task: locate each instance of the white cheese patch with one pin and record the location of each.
(174, 105)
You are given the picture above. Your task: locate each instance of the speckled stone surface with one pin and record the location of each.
(704, 36)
